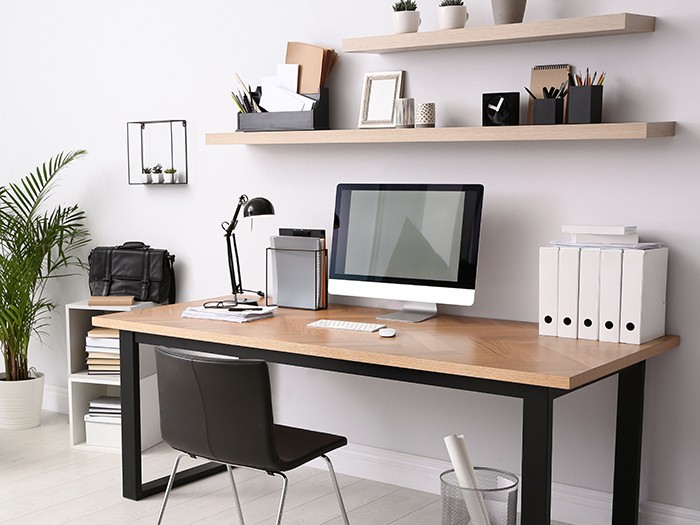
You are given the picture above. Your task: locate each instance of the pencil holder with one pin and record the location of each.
(585, 104)
(548, 111)
(497, 496)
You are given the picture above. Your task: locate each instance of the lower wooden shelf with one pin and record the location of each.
(611, 131)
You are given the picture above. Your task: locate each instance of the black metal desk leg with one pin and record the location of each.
(536, 490)
(628, 445)
(131, 416)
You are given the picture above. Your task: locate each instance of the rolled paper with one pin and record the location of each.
(466, 477)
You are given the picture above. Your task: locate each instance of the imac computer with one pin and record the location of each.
(416, 243)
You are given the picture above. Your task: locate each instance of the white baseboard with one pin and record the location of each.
(574, 505)
(55, 399)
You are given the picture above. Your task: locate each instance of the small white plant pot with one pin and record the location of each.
(452, 16)
(406, 21)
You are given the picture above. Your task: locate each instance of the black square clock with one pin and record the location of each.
(500, 109)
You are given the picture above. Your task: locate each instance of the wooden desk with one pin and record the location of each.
(484, 355)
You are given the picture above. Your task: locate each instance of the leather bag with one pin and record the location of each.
(134, 268)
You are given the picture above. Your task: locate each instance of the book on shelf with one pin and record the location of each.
(98, 353)
(101, 361)
(106, 402)
(101, 342)
(102, 350)
(100, 368)
(106, 333)
(111, 300)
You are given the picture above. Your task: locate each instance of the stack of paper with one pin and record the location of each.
(242, 315)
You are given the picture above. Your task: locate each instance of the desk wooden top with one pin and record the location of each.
(493, 349)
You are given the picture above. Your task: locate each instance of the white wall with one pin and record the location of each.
(74, 72)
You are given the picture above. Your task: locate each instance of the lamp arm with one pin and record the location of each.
(234, 267)
(234, 222)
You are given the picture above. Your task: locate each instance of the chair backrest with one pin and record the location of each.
(217, 407)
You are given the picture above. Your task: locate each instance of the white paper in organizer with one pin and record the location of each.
(466, 477)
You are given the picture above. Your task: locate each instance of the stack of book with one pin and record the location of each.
(102, 348)
(104, 406)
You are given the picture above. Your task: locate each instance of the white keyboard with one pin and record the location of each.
(346, 325)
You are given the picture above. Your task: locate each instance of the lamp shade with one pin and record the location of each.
(258, 206)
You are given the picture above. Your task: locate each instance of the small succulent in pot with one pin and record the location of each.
(405, 5)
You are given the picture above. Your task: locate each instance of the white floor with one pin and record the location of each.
(44, 481)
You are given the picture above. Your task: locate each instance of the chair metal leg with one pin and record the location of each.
(337, 489)
(235, 495)
(284, 495)
(170, 486)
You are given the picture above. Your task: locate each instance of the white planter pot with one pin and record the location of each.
(406, 21)
(452, 16)
(508, 11)
(20, 402)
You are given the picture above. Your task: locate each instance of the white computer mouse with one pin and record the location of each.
(387, 332)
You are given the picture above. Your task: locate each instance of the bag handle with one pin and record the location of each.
(134, 245)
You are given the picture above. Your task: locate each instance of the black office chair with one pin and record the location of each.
(220, 408)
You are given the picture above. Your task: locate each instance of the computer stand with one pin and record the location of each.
(412, 312)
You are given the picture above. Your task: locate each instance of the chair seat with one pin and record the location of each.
(297, 446)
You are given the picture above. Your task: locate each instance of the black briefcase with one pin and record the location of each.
(133, 268)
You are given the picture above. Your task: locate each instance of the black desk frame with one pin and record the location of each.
(538, 404)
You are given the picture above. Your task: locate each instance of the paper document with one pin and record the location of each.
(224, 314)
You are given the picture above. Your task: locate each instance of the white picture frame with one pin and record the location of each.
(379, 94)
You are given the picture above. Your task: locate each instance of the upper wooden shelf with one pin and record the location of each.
(589, 26)
(629, 130)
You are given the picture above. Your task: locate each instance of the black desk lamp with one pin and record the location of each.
(253, 207)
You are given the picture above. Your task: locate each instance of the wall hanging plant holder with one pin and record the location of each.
(157, 152)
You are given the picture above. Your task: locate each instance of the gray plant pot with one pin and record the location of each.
(508, 11)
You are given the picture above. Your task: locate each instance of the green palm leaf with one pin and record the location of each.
(35, 245)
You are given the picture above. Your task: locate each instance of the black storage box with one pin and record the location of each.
(317, 118)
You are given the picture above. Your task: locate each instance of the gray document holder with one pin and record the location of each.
(299, 272)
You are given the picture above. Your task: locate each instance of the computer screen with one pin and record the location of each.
(411, 242)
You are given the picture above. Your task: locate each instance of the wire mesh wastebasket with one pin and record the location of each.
(498, 490)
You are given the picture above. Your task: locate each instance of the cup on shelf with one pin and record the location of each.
(586, 104)
(548, 111)
(425, 115)
(405, 113)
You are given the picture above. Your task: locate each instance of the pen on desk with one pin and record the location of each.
(236, 309)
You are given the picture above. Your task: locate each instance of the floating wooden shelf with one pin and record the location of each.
(590, 26)
(629, 130)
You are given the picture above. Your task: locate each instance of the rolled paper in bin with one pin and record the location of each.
(466, 477)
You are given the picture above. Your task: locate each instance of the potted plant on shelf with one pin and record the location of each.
(508, 11)
(171, 175)
(36, 245)
(147, 173)
(452, 14)
(406, 17)
(158, 173)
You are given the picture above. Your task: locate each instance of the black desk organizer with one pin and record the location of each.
(317, 118)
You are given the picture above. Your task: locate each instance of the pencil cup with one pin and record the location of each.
(548, 111)
(405, 113)
(497, 495)
(425, 115)
(585, 104)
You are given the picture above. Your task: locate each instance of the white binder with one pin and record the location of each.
(549, 282)
(589, 294)
(567, 300)
(610, 289)
(643, 301)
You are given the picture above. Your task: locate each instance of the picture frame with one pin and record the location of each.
(379, 94)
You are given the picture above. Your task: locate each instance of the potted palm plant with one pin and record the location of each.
(36, 245)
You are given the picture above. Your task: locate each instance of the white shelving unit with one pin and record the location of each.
(82, 387)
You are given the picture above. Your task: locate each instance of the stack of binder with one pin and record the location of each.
(300, 271)
(606, 291)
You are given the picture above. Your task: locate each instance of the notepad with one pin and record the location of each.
(315, 64)
(547, 76)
